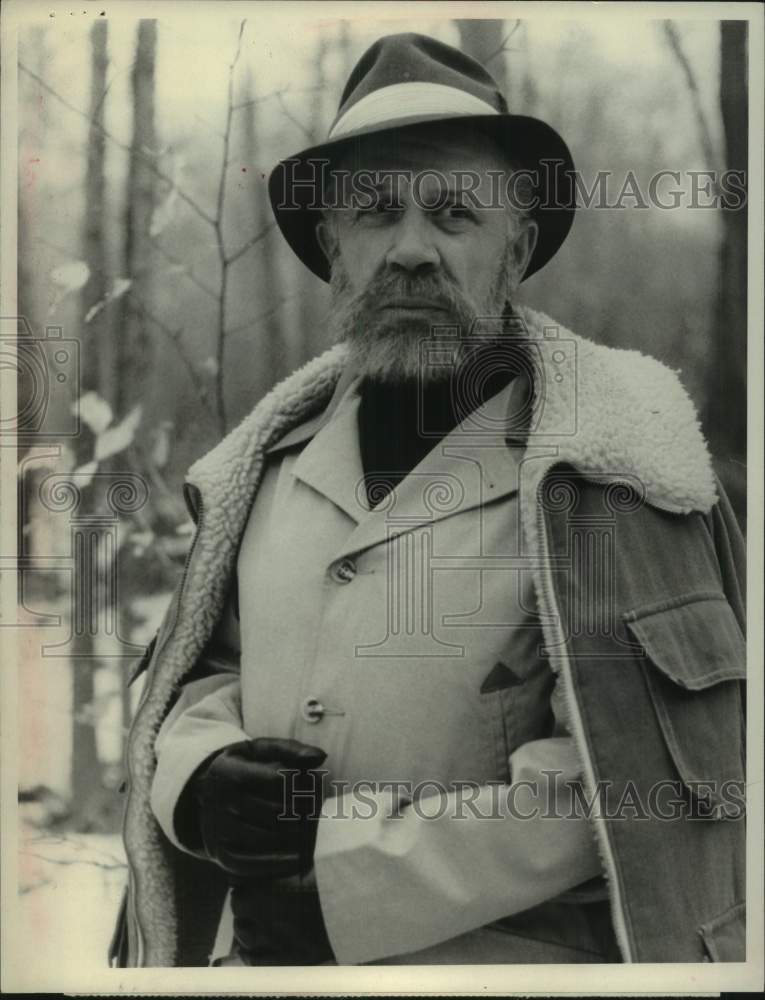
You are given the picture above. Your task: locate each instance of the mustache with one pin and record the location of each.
(387, 285)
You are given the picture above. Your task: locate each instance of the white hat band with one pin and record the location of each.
(408, 100)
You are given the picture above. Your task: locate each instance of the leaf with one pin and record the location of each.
(94, 410)
(118, 438)
(95, 310)
(70, 277)
(120, 286)
(140, 541)
(161, 450)
(85, 473)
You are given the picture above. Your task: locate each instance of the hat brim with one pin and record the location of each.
(532, 143)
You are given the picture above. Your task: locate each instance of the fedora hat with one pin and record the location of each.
(407, 81)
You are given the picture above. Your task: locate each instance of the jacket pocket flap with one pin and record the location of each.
(696, 644)
(725, 935)
(693, 667)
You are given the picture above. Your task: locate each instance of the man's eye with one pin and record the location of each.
(453, 213)
(458, 212)
(380, 208)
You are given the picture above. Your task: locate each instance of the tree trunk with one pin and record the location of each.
(135, 355)
(482, 39)
(85, 767)
(269, 334)
(309, 314)
(135, 349)
(726, 384)
(344, 49)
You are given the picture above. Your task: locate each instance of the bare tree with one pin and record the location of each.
(85, 766)
(724, 408)
(674, 41)
(267, 326)
(144, 171)
(486, 41)
(726, 381)
(308, 339)
(135, 346)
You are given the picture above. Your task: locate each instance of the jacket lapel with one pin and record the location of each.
(469, 467)
(331, 461)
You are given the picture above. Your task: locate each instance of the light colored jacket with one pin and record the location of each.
(412, 625)
(614, 458)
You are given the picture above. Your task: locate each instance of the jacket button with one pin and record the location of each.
(312, 710)
(343, 571)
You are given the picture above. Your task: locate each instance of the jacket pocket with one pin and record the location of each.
(725, 935)
(694, 666)
(515, 704)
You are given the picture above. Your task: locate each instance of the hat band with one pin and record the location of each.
(407, 100)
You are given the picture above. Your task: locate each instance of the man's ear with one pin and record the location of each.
(523, 246)
(326, 238)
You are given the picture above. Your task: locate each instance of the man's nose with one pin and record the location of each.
(413, 248)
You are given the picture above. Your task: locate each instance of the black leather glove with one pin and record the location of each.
(250, 817)
(278, 923)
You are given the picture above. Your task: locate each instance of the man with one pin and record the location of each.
(454, 671)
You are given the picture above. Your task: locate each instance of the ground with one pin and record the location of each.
(70, 887)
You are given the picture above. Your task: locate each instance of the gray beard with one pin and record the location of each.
(385, 349)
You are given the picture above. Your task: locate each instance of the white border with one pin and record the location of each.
(475, 980)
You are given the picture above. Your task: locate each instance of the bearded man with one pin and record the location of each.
(454, 672)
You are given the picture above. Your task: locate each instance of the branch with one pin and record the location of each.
(25, 889)
(260, 318)
(175, 336)
(673, 39)
(201, 212)
(209, 126)
(274, 93)
(220, 354)
(259, 100)
(68, 862)
(185, 269)
(108, 86)
(502, 45)
(112, 860)
(260, 235)
(298, 124)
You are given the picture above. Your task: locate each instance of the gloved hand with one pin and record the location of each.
(250, 817)
(279, 923)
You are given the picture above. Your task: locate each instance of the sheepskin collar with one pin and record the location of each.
(614, 415)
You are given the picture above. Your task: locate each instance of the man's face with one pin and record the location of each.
(425, 254)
